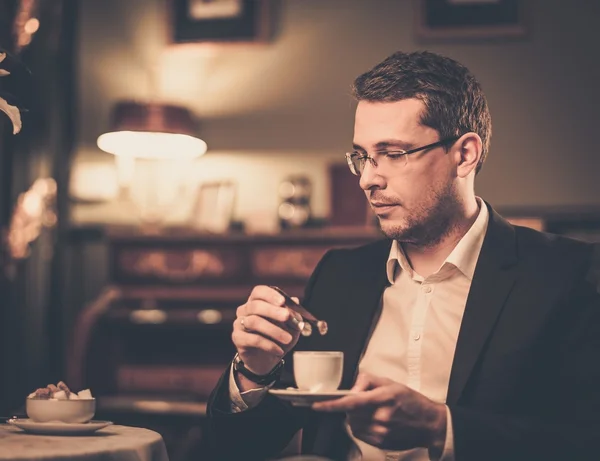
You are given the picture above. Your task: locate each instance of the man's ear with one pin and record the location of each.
(468, 152)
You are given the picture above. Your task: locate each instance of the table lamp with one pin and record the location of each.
(151, 130)
(149, 140)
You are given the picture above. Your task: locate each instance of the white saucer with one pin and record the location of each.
(58, 428)
(306, 398)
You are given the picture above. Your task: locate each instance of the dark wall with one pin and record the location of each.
(7, 363)
(284, 107)
(31, 330)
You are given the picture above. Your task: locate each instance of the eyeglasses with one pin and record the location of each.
(357, 161)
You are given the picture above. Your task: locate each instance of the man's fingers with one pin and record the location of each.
(369, 391)
(247, 341)
(268, 294)
(268, 311)
(265, 329)
(342, 404)
(362, 383)
(382, 415)
(366, 400)
(259, 325)
(366, 381)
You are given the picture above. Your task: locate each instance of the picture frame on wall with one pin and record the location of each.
(218, 21)
(214, 206)
(471, 19)
(348, 204)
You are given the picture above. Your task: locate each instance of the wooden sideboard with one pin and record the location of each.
(154, 343)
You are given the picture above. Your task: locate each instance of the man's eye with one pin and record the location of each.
(392, 155)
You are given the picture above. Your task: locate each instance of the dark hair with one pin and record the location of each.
(454, 101)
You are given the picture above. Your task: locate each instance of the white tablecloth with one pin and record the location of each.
(113, 443)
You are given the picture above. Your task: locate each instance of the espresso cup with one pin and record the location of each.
(318, 371)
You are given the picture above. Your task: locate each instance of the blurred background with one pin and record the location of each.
(125, 256)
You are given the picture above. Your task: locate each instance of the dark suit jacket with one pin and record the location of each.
(525, 380)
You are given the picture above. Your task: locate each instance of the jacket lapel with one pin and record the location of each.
(492, 282)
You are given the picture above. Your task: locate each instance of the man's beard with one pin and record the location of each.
(428, 225)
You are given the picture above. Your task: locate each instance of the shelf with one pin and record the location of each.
(155, 406)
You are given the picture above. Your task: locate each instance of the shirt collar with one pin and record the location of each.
(397, 261)
(464, 255)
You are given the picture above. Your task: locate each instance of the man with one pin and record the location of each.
(465, 338)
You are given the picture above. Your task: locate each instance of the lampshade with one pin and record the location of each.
(151, 130)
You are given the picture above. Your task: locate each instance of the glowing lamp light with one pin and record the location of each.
(151, 130)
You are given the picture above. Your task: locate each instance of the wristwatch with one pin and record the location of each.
(270, 377)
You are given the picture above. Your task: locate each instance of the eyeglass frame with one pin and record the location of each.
(396, 153)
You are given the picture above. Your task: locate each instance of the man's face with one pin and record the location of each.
(414, 197)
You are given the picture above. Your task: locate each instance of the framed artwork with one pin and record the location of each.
(447, 19)
(213, 209)
(220, 21)
(348, 204)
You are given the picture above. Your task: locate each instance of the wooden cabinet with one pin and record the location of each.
(153, 345)
(183, 259)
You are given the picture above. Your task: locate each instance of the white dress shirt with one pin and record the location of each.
(415, 338)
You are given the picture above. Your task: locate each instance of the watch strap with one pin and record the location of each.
(272, 376)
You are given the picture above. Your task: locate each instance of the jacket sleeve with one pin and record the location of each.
(568, 426)
(260, 432)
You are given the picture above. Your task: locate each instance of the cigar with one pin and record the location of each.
(310, 321)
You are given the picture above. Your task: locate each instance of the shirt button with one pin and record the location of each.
(416, 336)
(427, 288)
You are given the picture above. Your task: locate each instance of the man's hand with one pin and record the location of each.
(391, 416)
(264, 330)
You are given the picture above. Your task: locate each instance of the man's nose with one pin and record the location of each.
(370, 178)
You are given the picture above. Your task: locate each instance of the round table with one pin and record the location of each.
(112, 443)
